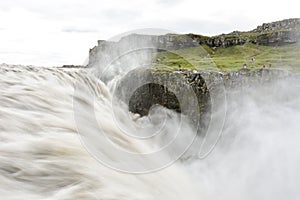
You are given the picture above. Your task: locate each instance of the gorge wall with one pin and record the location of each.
(272, 34)
(172, 89)
(169, 89)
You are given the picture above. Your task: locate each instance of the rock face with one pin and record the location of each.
(170, 89)
(108, 50)
(225, 40)
(278, 33)
(288, 24)
(183, 92)
(190, 92)
(275, 33)
(278, 38)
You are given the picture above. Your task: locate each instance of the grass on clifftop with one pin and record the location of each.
(232, 58)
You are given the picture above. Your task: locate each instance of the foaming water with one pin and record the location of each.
(43, 157)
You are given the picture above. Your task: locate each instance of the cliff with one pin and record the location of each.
(189, 92)
(269, 34)
(275, 33)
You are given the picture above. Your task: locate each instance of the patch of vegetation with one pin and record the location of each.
(232, 58)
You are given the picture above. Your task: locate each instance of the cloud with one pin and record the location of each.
(58, 20)
(169, 2)
(121, 14)
(79, 30)
(210, 27)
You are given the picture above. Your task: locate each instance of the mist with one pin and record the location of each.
(258, 155)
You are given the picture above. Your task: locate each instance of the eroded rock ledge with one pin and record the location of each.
(144, 88)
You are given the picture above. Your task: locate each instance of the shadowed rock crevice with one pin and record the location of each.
(152, 94)
(183, 92)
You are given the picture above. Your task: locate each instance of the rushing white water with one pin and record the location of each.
(42, 157)
(41, 153)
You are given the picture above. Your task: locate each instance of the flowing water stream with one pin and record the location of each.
(42, 156)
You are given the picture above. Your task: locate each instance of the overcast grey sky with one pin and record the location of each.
(57, 32)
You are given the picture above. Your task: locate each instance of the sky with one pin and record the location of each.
(59, 32)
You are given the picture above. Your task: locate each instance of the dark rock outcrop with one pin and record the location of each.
(287, 24)
(275, 33)
(143, 88)
(183, 92)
